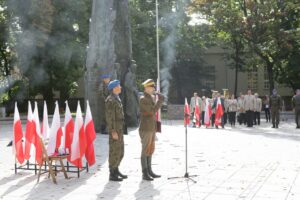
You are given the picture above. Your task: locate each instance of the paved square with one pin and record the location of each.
(232, 163)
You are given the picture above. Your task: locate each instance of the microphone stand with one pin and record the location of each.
(186, 175)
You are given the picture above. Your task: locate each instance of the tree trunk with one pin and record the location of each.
(271, 76)
(110, 51)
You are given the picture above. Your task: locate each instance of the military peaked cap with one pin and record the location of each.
(148, 83)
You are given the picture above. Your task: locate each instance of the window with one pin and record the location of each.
(253, 79)
(209, 78)
(266, 79)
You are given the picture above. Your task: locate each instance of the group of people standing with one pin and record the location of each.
(115, 123)
(246, 109)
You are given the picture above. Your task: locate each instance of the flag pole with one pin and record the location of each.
(157, 45)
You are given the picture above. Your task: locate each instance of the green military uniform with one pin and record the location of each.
(275, 104)
(296, 106)
(147, 130)
(115, 123)
(104, 92)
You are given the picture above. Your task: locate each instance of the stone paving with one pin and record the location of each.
(233, 163)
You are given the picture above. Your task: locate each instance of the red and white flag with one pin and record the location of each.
(197, 113)
(78, 145)
(29, 134)
(90, 134)
(18, 135)
(45, 125)
(55, 133)
(219, 113)
(187, 113)
(37, 135)
(69, 130)
(208, 113)
(158, 113)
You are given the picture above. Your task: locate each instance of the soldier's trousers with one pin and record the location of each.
(275, 116)
(116, 151)
(297, 117)
(148, 146)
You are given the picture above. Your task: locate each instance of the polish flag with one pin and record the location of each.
(78, 145)
(208, 113)
(197, 113)
(37, 135)
(90, 134)
(187, 113)
(45, 125)
(55, 133)
(69, 130)
(18, 135)
(219, 113)
(29, 134)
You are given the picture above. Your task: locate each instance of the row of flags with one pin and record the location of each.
(207, 113)
(76, 137)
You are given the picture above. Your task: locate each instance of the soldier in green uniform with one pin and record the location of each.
(147, 129)
(275, 105)
(296, 106)
(115, 124)
(105, 79)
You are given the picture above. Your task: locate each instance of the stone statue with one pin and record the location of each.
(110, 50)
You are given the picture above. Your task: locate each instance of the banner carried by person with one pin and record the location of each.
(187, 113)
(219, 113)
(196, 118)
(208, 113)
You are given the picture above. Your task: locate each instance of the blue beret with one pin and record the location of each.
(113, 84)
(105, 76)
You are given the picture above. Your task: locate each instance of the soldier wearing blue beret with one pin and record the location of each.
(115, 125)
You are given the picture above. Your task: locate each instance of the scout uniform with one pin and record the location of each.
(115, 123)
(104, 92)
(147, 129)
(275, 104)
(232, 109)
(249, 100)
(296, 106)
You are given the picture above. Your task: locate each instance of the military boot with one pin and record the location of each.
(123, 176)
(146, 175)
(151, 173)
(113, 176)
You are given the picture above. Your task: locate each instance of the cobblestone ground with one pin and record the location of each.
(232, 163)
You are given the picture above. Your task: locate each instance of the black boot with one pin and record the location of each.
(146, 175)
(113, 176)
(273, 126)
(123, 176)
(151, 173)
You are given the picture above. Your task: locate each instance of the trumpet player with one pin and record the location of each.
(148, 127)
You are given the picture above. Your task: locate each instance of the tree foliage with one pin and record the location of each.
(269, 28)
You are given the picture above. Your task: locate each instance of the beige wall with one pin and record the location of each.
(225, 75)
